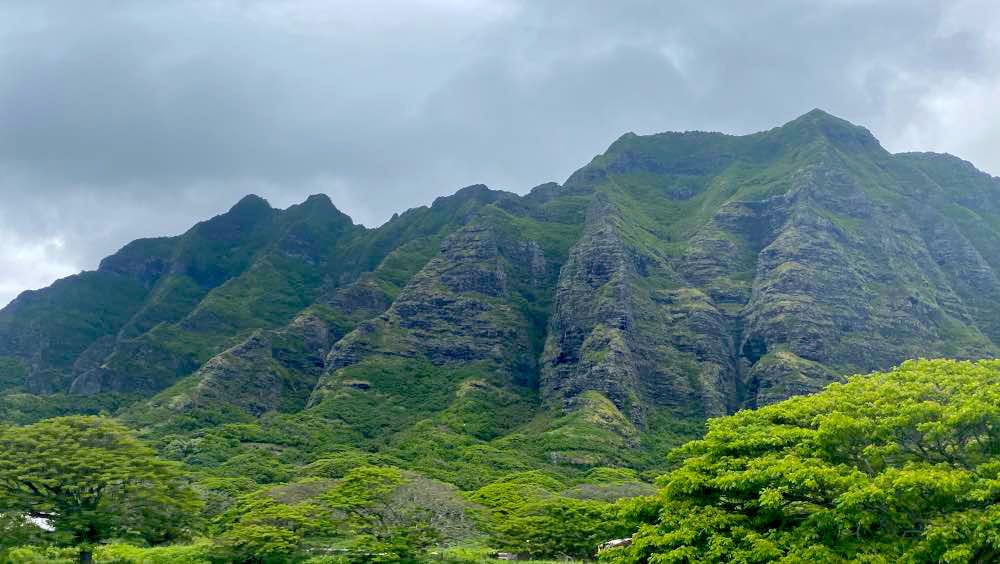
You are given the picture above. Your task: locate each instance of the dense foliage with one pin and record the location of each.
(92, 480)
(896, 466)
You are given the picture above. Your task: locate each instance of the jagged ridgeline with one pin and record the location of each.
(676, 277)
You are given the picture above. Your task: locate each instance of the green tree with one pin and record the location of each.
(262, 529)
(256, 543)
(383, 528)
(897, 466)
(92, 480)
(559, 527)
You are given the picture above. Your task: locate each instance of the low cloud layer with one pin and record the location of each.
(127, 119)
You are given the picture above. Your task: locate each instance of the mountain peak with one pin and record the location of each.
(249, 211)
(318, 202)
(817, 117)
(819, 114)
(475, 192)
(319, 206)
(319, 199)
(250, 203)
(839, 131)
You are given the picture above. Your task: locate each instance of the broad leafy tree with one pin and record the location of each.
(92, 480)
(898, 466)
(259, 529)
(384, 529)
(559, 527)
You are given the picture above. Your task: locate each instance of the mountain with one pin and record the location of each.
(676, 277)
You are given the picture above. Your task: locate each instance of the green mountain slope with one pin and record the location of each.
(675, 277)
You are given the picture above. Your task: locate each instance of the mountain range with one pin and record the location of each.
(674, 278)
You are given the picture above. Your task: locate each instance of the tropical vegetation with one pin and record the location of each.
(533, 373)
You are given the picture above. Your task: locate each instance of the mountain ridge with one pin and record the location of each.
(675, 277)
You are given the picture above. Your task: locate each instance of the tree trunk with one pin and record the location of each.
(86, 556)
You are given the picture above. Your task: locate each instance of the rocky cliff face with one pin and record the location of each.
(461, 325)
(676, 277)
(615, 329)
(793, 258)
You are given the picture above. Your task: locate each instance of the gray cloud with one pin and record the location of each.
(127, 119)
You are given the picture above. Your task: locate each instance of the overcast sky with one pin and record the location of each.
(124, 119)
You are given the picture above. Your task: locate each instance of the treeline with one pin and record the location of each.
(902, 466)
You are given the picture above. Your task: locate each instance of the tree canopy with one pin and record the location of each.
(92, 480)
(895, 466)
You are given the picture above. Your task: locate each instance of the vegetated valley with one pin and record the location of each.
(699, 342)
